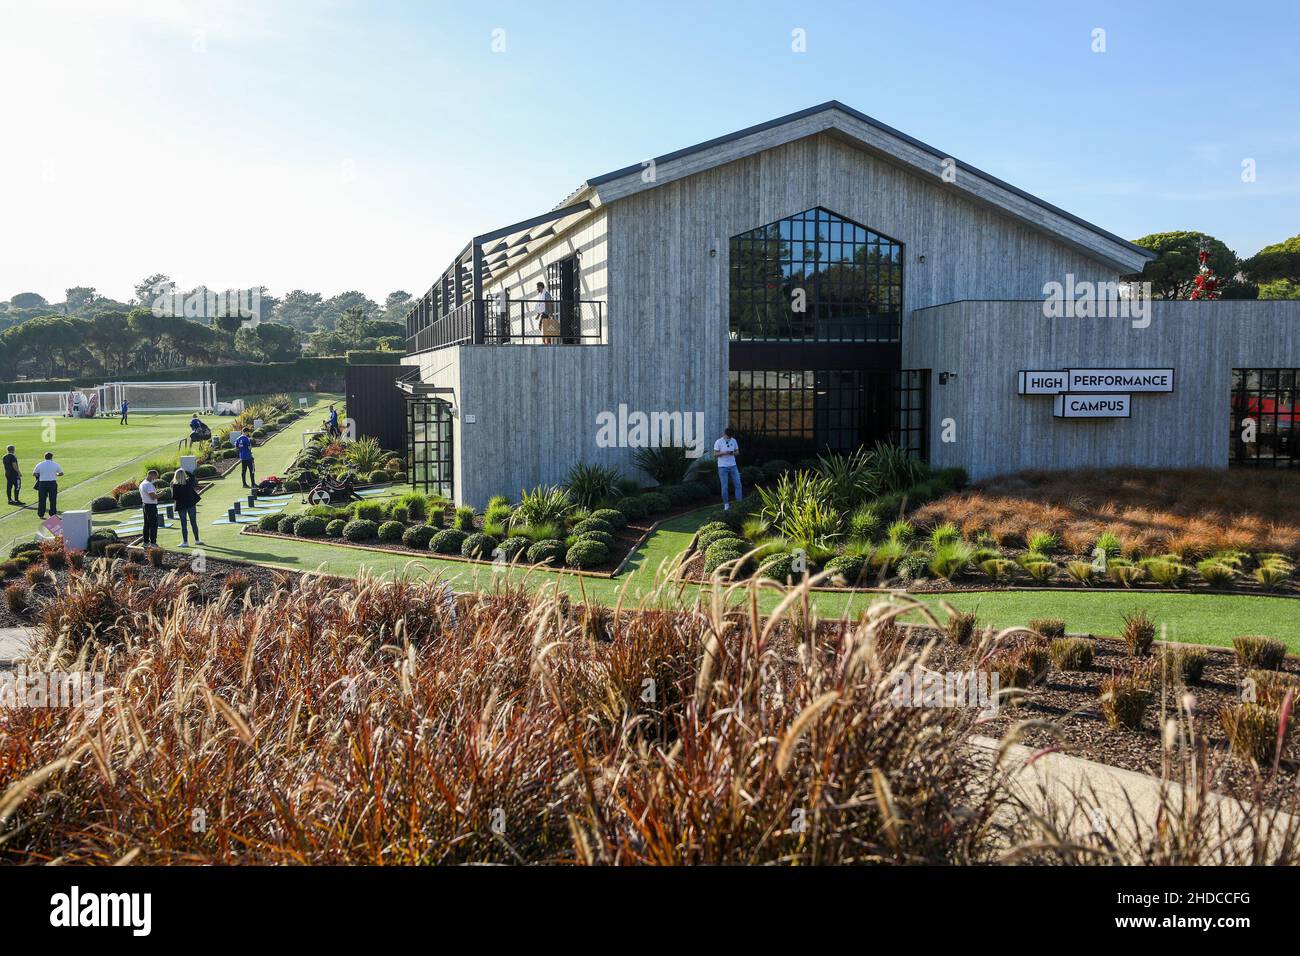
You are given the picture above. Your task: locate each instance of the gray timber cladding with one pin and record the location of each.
(998, 431)
(534, 408)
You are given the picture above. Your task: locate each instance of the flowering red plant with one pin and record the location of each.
(1206, 284)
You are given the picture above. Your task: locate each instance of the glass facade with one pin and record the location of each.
(1265, 417)
(815, 277)
(796, 414)
(429, 446)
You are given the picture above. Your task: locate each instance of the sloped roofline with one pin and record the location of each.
(834, 106)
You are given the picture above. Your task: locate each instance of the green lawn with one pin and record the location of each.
(97, 454)
(1205, 619)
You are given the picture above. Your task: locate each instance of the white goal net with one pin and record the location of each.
(157, 397)
(44, 403)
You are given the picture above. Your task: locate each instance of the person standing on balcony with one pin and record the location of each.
(544, 309)
(725, 450)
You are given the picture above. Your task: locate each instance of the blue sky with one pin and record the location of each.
(337, 145)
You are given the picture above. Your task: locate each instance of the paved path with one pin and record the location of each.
(1080, 798)
(13, 645)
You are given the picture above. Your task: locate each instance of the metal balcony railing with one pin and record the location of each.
(491, 322)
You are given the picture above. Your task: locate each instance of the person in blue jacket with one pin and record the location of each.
(126, 407)
(334, 422)
(244, 445)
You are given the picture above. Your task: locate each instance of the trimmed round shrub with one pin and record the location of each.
(718, 525)
(286, 523)
(478, 545)
(706, 538)
(205, 471)
(31, 547)
(309, 526)
(775, 468)
(334, 529)
(418, 536)
(104, 503)
(547, 551)
(846, 566)
(611, 516)
(604, 537)
(701, 489)
(655, 503)
(259, 432)
(360, 529)
(129, 499)
(448, 541)
(750, 475)
(586, 554)
(399, 477)
(511, 548)
(377, 476)
(292, 484)
(779, 568)
(720, 552)
(678, 494)
(632, 507)
(391, 531)
(593, 524)
(269, 522)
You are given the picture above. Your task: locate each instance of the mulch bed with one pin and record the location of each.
(263, 581)
(626, 540)
(1070, 700)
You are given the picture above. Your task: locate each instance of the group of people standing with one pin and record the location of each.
(185, 499)
(47, 474)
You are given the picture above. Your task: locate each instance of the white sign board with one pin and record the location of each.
(1119, 380)
(1043, 382)
(1091, 405)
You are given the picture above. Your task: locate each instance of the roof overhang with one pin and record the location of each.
(889, 144)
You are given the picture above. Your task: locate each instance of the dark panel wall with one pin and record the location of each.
(376, 405)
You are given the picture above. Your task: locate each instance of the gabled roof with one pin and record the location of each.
(891, 145)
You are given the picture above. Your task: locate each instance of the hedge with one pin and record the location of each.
(306, 374)
(611, 516)
(419, 536)
(603, 537)
(448, 541)
(360, 530)
(721, 552)
(335, 528)
(547, 551)
(373, 357)
(309, 526)
(478, 546)
(391, 531)
(104, 503)
(586, 554)
(511, 548)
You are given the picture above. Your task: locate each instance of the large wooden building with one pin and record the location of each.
(818, 282)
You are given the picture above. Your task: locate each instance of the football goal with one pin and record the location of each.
(157, 396)
(71, 402)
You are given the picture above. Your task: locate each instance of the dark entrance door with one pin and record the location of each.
(562, 280)
(429, 446)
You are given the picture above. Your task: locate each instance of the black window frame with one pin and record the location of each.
(1270, 396)
(851, 276)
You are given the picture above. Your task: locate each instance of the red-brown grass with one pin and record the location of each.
(1190, 513)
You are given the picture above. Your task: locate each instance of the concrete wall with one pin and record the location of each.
(999, 431)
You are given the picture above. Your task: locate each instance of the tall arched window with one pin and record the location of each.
(816, 276)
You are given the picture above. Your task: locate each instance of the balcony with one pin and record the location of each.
(491, 322)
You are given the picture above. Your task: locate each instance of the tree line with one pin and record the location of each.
(162, 328)
(1271, 273)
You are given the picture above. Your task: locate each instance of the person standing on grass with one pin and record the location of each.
(725, 449)
(13, 477)
(244, 445)
(126, 407)
(334, 430)
(185, 495)
(149, 499)
(47, 474)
